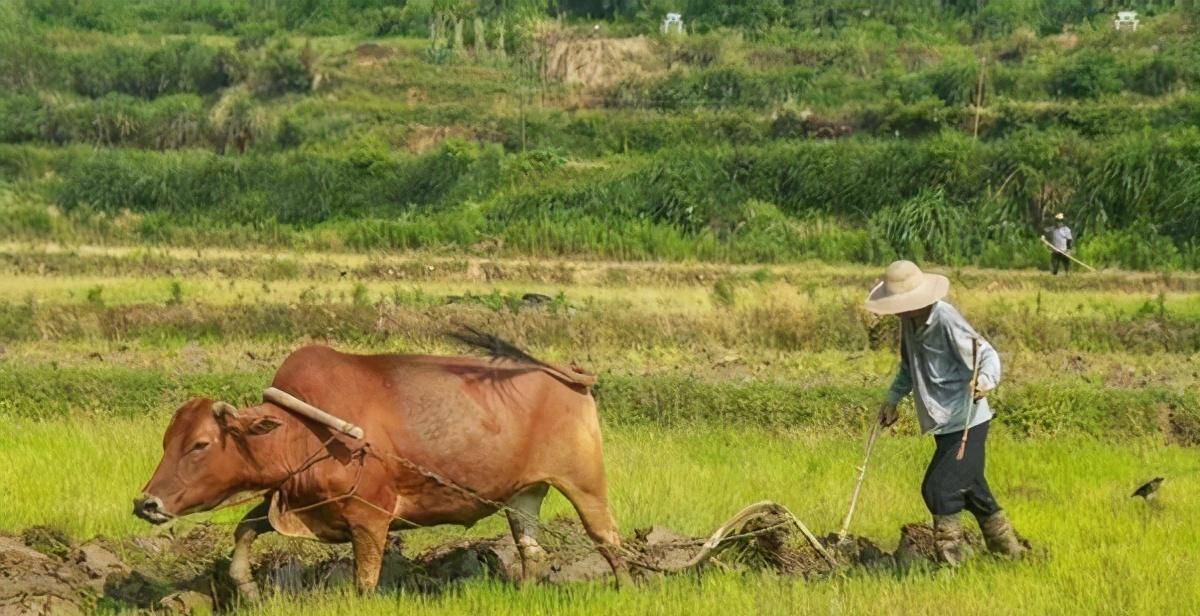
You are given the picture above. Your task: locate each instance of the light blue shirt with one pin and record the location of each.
(1060, 236)
(935, 366)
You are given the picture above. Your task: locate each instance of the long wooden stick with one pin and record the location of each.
(862, 474)
(1051, 246)
(962, 445)
(979, 94)
(300, 407)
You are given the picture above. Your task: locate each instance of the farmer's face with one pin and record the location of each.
(919, 315)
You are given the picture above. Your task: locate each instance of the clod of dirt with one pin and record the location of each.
(135, 589)
(469, 559)
(858, 552)
(34, 583)
(47, 540)
(665, 548)
(98, 563)
(186, 602)
(582, 568)
(917, 547)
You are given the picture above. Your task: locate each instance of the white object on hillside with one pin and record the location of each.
(672, 21)
(1126, 20)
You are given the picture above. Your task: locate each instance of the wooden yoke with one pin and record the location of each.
(300, 407)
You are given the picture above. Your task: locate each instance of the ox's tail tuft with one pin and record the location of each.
(499, 348)
(495, 346)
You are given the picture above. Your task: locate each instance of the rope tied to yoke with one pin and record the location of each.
(709, 547)
(723, 535)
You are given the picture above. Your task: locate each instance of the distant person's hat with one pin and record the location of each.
(904, 288)
(1059, 216)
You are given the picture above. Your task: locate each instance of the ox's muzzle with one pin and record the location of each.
(150, 509)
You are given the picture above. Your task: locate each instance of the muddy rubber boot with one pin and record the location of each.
(1000, 537)
(949, 540)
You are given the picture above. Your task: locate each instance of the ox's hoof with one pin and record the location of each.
(534, 563)
(623, 579)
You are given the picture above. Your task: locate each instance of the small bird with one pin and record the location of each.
(1147, 490)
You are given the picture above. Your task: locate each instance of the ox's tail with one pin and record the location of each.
(499, 348)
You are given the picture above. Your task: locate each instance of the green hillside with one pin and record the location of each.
(848, 131)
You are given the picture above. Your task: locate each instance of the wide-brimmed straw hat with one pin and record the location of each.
(905, 287)
(1059, 216)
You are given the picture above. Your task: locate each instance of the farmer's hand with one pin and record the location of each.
(888, 414)
(982, 389)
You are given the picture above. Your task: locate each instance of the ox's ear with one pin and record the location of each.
(263, 425)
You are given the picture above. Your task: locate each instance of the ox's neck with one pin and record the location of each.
(297, 445)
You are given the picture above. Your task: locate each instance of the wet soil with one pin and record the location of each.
(44, 571)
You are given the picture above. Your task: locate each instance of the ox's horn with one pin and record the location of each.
(223, 408)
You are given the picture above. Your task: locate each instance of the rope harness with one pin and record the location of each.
(723, 535)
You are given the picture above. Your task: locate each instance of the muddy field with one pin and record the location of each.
(44, 571)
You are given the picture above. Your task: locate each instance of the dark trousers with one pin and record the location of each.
(1057, 260)
(952, 485)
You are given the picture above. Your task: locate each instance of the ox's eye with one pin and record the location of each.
(200, 445)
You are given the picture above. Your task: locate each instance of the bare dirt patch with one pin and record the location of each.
(597, 62)
(370, 54)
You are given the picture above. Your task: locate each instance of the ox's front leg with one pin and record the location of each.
(253, 524)
(369, 537)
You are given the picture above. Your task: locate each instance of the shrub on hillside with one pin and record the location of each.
(180, 66)
(954, 80)
(1086, 74)
(281, 68)
(925, 227)
(25, 59)
(1160, 74)
(22, 117)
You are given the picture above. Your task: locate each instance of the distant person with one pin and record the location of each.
(1063, 242)
(936, 366)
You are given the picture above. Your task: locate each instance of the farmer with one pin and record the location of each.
(935, 366)
(1063, 241)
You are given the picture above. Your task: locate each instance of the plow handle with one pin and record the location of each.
(962, 445)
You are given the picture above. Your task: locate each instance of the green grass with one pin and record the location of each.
(1029, 404)
(1099, 550)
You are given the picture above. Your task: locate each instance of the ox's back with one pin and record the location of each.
(492, 422)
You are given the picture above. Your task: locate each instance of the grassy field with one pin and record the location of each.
(720, 386)
(1098, 550)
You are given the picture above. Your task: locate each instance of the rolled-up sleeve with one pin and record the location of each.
(902, 384)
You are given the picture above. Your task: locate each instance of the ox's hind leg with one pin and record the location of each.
(592, 507)
(253, 524)
(523, 520)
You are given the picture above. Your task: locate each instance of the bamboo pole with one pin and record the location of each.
(979, 94)
(862, 474)
(1051, 247)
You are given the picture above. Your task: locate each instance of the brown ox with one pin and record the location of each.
(505, 428)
